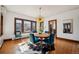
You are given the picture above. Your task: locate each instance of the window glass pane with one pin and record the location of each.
(41, 25)
(27, 26)
(19, 25)
(34, 26)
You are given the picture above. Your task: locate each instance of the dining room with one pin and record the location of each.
(35, 29)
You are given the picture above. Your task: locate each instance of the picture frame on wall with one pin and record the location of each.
(68, 26)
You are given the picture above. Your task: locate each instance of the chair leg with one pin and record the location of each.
(44, 50)
(52, 47)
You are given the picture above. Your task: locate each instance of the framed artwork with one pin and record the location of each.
(68, 26)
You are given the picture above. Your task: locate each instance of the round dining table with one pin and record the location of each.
(41, 36)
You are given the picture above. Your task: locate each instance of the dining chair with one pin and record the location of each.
(18, 34)
(35, 42)
(50, 41)
(46, 31)
(34, 39)
(34, 31)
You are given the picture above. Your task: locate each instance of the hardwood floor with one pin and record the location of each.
(66, 47)
(9, 46)
(61, 46)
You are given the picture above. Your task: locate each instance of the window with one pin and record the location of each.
(41, 25)
(1, 24)
(24, 26)
(27, 26)
(19, 25)
(33, 25)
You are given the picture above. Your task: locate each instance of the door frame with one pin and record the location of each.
(55, 24)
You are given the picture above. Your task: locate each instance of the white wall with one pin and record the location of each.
(8, 22)
(73, 14)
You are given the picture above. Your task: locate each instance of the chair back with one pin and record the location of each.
(46, 31)
(34, 31)
(32, 38)
(18, 34)
(51, 39)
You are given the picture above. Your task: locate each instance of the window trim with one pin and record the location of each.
(1, 24)
(23, 24)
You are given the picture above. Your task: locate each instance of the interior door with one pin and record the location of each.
(53, 26)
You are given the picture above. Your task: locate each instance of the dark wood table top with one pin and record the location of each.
(43, 35)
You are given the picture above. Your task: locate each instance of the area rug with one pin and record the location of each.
(30, 51)
(25, 50)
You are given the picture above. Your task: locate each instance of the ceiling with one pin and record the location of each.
(47, 10)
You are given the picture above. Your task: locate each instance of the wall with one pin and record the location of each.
(0, 8)
(8, 22)
(0, 19)
(73, 14)
(0, 22)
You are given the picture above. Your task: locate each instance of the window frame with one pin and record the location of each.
(35, 25)
(23, 25)
(15, 25)
(22, 28)
(1, 24)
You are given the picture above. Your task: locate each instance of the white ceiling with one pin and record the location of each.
(47, 10)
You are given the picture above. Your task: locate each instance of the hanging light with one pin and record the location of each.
(40, 18)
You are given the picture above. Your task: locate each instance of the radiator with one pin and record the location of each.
(1, 42)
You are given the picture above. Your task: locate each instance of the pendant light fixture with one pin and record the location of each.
(40, 18)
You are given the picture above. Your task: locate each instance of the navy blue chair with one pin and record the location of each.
(50, 41)
(34, 39)
(46, 31)
(34, 31)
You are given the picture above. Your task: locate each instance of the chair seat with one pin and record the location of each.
(46, 41)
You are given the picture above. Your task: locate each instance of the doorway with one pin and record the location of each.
(52, 26)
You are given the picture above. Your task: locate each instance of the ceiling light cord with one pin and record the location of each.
(40, 12)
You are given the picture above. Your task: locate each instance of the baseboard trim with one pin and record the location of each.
(7, 39)
(67, 39)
